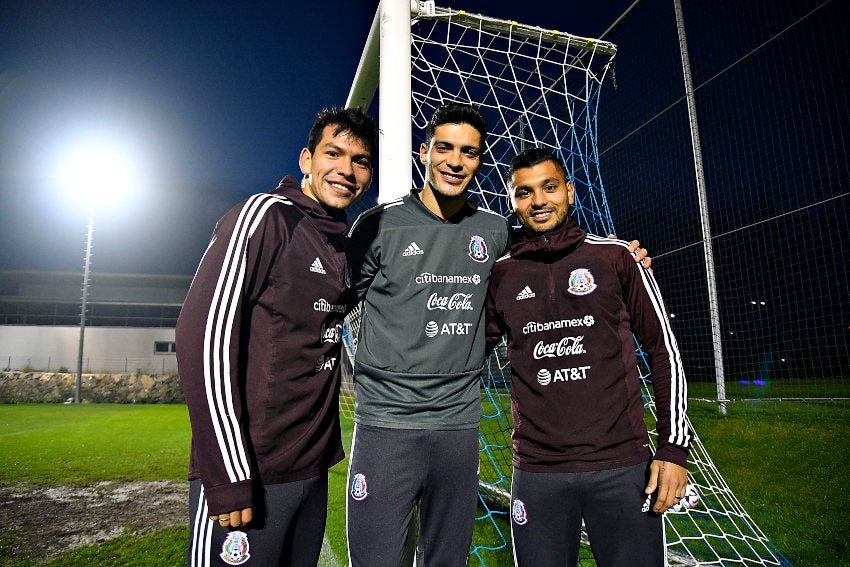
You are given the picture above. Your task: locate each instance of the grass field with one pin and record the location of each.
(787, 463)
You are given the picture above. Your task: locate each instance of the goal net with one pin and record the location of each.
(541, 87)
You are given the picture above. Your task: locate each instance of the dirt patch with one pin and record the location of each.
(50, 521)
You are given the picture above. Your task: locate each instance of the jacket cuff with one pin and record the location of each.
(226, 498)
(672, 454)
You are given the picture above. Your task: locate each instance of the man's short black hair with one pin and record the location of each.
(533, 156)
(354, 121)
(456, 113)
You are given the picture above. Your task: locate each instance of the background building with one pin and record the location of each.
(129, 325)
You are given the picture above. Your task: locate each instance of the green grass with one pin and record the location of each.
(92, 442)
(787, 463)
(78, 445)
(748, 390)
(159, 549)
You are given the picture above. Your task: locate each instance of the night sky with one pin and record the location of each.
(212, 101)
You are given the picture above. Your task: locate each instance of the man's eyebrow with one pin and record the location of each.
(333, 145)
(341, 149)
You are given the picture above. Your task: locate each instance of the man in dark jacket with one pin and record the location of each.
(258, 346)
(568, 304)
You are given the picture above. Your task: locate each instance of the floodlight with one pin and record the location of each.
(95, 172)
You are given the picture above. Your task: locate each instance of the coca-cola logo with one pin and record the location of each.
(331, 334)
(456, 302)
(567, 346)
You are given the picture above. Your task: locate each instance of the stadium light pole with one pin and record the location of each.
(86, 270)
(93, 173)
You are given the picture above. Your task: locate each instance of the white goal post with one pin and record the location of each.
(536, 87)
(390, 28)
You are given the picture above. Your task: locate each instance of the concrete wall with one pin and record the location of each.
(106, 349)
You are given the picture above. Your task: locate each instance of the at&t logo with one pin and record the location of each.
(544, 377)
(432, 329)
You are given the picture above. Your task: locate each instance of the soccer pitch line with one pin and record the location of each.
(327, 557)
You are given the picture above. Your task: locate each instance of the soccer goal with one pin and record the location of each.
(536, 87)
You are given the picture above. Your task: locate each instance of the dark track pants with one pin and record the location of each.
(393, 470)
(547, 510)
(287, 529)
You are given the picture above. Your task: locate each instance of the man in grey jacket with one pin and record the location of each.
(421, 264)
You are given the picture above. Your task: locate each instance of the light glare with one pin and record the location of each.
(97, 173)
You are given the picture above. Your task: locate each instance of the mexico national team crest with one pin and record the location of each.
(234, 550)
(358, 487)
(581, 282)
(478, 248)
(518, 512)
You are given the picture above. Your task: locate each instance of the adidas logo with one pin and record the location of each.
(317, 267)
(526, 293)
(412, 250)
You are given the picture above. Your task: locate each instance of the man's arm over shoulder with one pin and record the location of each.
(364, 250)
(494, 328)
(210, 328)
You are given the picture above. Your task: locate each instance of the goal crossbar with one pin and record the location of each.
(472, 20)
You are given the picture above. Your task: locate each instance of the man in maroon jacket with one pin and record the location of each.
(569, 304)
(258, 346)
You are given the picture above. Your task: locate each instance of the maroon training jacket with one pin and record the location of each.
(258, 346)
(569, 304)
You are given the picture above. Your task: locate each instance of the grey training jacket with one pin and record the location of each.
(423, 281)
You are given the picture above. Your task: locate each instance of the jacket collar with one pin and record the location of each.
(416, 198)
(553, 244)
(329, 221)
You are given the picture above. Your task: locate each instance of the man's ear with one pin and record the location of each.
(305, 161)
(571, 192)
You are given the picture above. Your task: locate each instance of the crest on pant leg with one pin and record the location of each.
(234, 550)
(518, 512)
(358, 487)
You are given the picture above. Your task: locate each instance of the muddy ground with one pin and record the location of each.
(49, 521)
